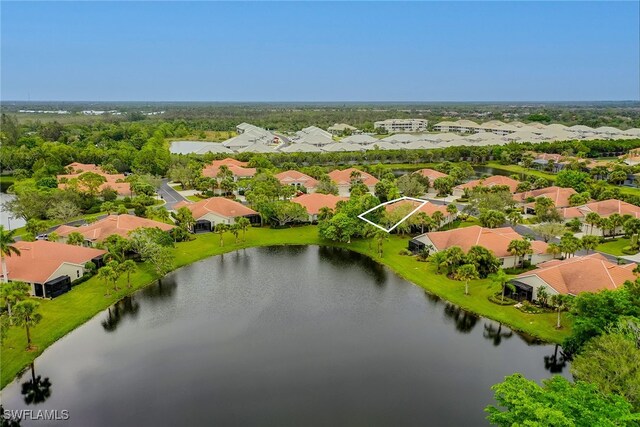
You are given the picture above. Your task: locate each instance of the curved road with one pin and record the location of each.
(169, 195)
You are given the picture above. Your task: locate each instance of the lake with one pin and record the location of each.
(285, 336)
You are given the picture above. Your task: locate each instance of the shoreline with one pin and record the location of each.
(87, 299)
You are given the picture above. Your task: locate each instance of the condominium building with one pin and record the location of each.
(402, 125)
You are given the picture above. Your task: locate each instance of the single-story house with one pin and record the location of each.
(428, 208)
(297, 179)
(572, 276)
(542, 160)
(50, 267)
(604, 208)
(431, 174)
(314, 202)
(491, 181)
(114, 181)
(238, 169)
(495, 239)
(342, 178)
(77, 167)
(121, 225)
(559, 196)
(218, 210)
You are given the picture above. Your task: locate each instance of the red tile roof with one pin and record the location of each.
(112, 224)
(343, 177)
(114, 181)
(40, 259)
(218, 205)
(559, 195)
(294, 177)
(491, 181)
(313, 202)
(591, 273)
(495, 239)
(603, 208)
(76, 167)
(428, 208)
(431, 174)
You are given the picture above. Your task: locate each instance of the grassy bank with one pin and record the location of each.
(65, 313)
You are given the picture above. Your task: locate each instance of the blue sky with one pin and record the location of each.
(308, 51)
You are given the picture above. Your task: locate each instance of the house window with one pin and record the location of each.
(78, 273)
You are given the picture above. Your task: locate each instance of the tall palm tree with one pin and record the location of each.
(465, 273)
(502, 279)
(592, 219)
(220, 229)
(12, 293)
(7, 248)
(105, 273)
(26, 314)
(127, 268)
(561, 303)
(235, 230)
(438, 218)
(243, 224)
(380, 237)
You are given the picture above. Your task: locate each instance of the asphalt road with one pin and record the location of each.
(169, 195)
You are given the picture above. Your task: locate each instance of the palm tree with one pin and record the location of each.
(162, 214)
(243, 223)
(128, 267)
(12, 293)
(542, 295)
(589, 242)
(514, 217)
(502, 279)
(324, 213)
(519, 248)
(439, 259)
(592, 219)
(452, 209)
(220, 229)
(380, 238)
(561, 303)
(105, 273)
(454, 257)
(235, 230)
(115, 273)
(465, 273)
(7, 248)
(422, 219)
(26, 315)
(75, 238)
(437, 217)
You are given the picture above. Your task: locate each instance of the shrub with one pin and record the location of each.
(405, 252)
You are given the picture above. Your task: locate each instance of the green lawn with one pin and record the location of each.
(65, 313)
(613, 246)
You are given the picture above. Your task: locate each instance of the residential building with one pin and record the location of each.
(77, 168)
(218, 210)
(604, 209)
(402, 125)
(121, 225)
(238, 169)
(559, 196)
(431, 174)
(491, 181)
(343, 179)
(115, 181)
(427, 208)
(297, 179)
(341, 128)
(316, 201)
(495, 239)
(50, 267)
(572, 276)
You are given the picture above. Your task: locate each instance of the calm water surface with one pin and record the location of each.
(283, 336)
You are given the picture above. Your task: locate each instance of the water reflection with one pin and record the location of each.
(164, 288)
(340, 257)
(556, 362)
(495, 334)
(127, 306)
(464, 321)
(36, 390)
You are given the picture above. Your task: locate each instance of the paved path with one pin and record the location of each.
(169, 195)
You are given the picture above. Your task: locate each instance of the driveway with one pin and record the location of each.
(169, 195)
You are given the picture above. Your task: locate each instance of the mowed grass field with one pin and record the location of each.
(65, 313)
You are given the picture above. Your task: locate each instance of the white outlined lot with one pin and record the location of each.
(389, 230)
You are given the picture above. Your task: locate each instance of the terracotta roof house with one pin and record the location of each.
(121, 225)
(297, 179)
(572, 276)
(114, 181)
(491, 181)
(218, 210)
(238, 169)
(50, 267)
(314, 202)
(428, 208)
(431, 174)
(632, 158)
(495, 239)
(76, 167)
(342, 178)
(604, 208)
(559, 196)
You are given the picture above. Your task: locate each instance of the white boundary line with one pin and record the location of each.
(423, 202)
